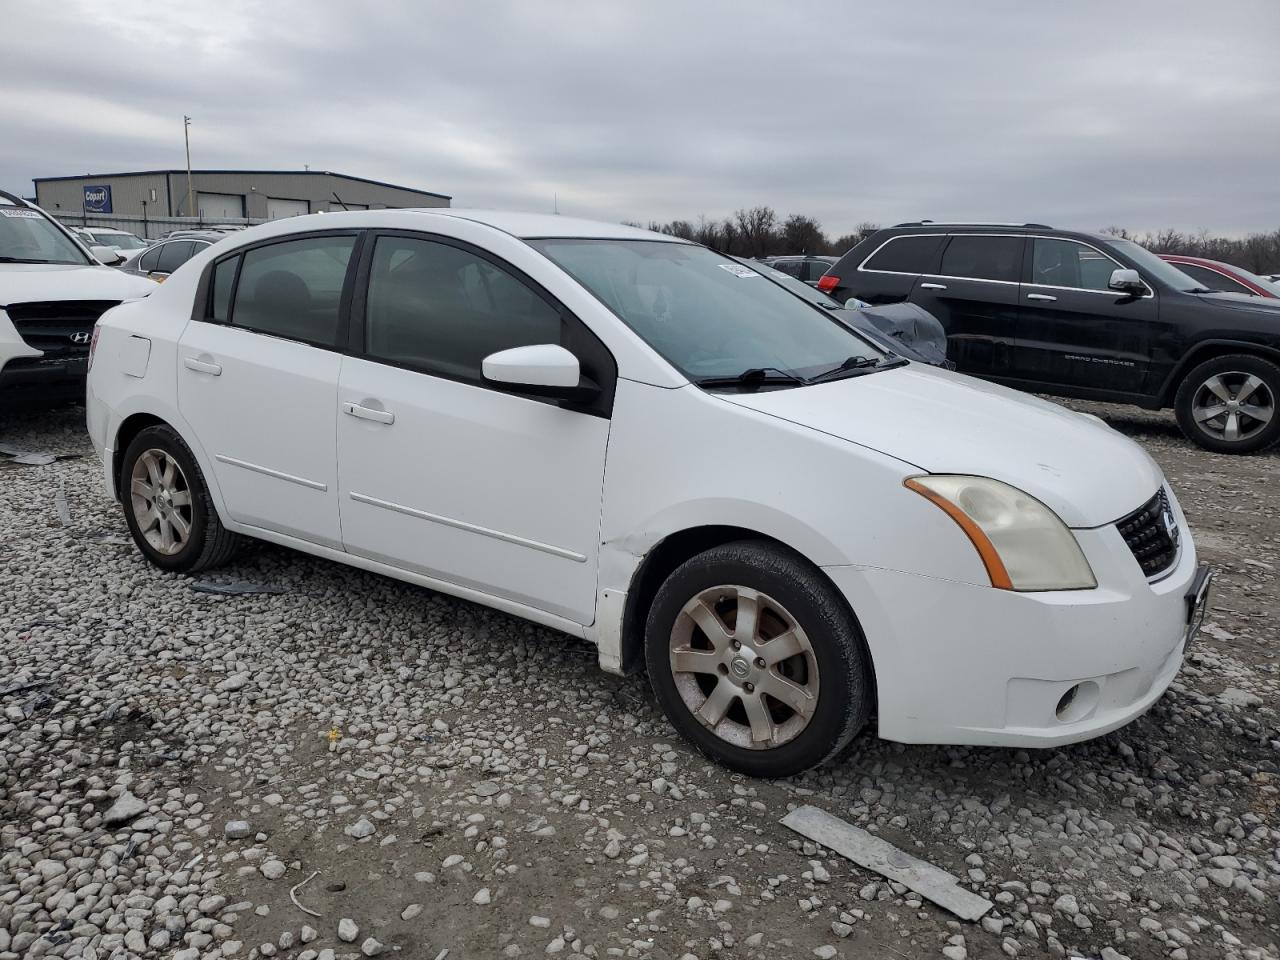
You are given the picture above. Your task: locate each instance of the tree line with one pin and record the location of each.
(761, 232)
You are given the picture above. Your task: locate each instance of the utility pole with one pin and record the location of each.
(186, 135)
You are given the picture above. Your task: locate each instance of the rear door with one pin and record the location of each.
(974, 295)
(258, 381)
(1073, 332)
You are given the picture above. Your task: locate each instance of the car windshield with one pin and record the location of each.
(1149, 263)
(798, 287)
(27, 236)
(709, 315)
(119, 241)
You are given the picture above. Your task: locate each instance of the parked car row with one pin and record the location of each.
(666, 452)
(1083, 315)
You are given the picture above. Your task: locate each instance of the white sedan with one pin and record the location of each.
(632, 439)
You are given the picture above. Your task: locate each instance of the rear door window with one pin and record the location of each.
(147, 262)
(814, 269)
(979, 257)
(173, 255)
(906, 255)
(294, 289)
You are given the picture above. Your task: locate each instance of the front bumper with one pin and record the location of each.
(965, 664)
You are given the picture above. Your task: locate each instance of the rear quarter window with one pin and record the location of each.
(906, 254)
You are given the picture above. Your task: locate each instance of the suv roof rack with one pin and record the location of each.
(970, 223)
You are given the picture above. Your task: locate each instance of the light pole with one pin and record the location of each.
(186, 136)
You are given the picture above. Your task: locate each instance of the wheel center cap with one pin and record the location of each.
(740, 668)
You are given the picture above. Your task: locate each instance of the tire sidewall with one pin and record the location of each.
(164, 438)
(844, 684)
(1191, 383)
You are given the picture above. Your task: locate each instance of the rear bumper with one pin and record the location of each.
(957, 663)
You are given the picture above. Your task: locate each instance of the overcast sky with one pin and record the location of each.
(1086, 114)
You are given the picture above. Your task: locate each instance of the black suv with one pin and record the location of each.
(1082, 315)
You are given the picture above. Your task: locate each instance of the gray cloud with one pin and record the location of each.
(1145, 113)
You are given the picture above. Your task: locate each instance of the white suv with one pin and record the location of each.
(52, 292)
(632, 439)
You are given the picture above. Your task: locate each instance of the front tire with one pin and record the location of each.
(757, 661)
(1228, 404)
(167, 505)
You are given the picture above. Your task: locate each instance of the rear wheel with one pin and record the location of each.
(167, 505)
(1228, 404)
(757, 661)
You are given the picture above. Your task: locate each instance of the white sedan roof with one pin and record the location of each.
(521, 225)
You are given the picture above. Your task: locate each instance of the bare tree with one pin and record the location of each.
(755, 229)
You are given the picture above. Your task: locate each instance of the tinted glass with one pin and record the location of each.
(792, 268)
(906, 255)
(708, 315)
(814, 269)
(224, 276)
(1212, 279)
(983, 258)
(798, 287)
(147, 262)
(26, 235)
(441, 309)
(294, 289)
(174, 255)
(1065, 263)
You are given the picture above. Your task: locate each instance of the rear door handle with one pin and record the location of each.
(202, 366)
(933, 286)
(368, 413)
(1041, 296)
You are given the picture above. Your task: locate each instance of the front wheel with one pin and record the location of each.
(757, 661)
(1228, 404)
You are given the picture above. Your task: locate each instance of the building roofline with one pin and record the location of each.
(290, 173)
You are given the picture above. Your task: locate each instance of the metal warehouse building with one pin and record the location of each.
(223, 194)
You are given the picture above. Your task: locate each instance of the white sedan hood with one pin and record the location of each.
(43, 282)
(944, 422)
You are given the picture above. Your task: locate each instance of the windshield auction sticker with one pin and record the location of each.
(20, 213)
(738, 270)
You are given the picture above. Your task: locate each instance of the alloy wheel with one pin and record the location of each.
(1233, 405)
(744, 667)
(161, 501)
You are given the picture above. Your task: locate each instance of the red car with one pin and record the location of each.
(1223, 277)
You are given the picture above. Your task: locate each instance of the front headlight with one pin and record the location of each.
(1022, 543)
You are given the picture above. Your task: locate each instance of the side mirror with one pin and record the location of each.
(109, 256)
(544, 369)
(1127, 281)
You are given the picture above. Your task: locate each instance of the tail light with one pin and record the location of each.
(827, 283)
(93, 346)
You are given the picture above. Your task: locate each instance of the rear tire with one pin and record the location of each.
(167, 505)
(766, 711)
(1229, 404)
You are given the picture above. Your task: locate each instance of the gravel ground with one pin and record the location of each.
(446, 778)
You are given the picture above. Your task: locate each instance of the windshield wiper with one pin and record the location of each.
(20, 260)
(752, 379)
(857, 364)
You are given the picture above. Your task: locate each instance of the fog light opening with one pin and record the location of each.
(1078, 702)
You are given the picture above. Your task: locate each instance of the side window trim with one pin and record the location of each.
(571, 326)
(1026, 266)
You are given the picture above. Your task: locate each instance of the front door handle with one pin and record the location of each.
(933, 286)
(202, 366)
(368, 413)
(1041, 296)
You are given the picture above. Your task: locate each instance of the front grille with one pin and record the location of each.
(61, 329)
(1152, 535)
